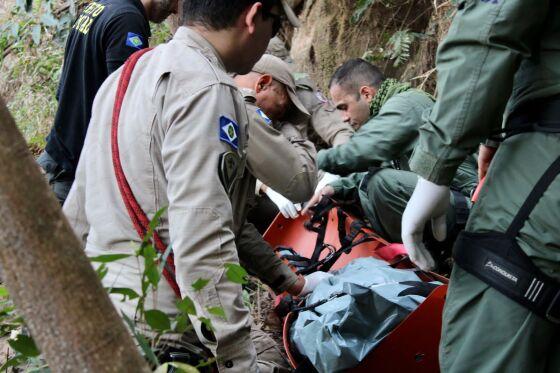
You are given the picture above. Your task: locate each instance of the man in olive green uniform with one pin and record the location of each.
(324, 126)
(495, 50)
(388, 115)
(183, 141)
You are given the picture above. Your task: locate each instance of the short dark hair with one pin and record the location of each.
(354, 73)
(219, 14)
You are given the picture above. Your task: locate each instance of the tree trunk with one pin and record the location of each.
(48, 275)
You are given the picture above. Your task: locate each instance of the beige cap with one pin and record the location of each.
(280, 71)
(294, 20)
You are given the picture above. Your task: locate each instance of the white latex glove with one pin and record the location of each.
(286, 207)
(325, 180)
(312, 280)
(428, 202)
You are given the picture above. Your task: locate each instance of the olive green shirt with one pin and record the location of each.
(494, 51)
(389, 136)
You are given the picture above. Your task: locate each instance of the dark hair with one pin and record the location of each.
(354, 73)
(219, 14)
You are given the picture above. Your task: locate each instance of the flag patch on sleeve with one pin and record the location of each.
(134, 40)
(266, 119)
(229, 132)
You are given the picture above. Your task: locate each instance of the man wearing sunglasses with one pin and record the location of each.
(182, 139)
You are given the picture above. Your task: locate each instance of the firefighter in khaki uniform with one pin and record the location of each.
(183, 139)
(323, 126)
(292, 160)
(497, 50)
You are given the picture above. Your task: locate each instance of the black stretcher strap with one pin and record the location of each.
(462, 209)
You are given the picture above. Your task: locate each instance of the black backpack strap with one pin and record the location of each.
(497, 259)
(532, 200)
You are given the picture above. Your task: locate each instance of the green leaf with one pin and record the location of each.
(179, 368)
(48, 20)
(361, 7)
(40, 369)
(13, 362)
(36, 34)
(236, 273)
(4, 292)
(157, 320)
(152, 273)
(200, 284)
(157, 217)
(14, 30)
(125, 292)
(206, 322)
(24, 345)
(142, 342)
(108, 258)
(187, 306)
(217, 311)
(149, 253)
(182, 323)
(102, 271)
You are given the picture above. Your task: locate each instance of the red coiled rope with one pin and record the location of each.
(137, 215)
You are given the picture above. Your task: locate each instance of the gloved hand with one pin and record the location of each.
(312, 280)
(325, 180)
(286, 207)
(428, 202)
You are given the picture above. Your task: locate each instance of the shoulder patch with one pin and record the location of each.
(134, 40)
(229, 132)
(266, 119)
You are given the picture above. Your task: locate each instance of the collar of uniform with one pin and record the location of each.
(194, 39)
(249, 95)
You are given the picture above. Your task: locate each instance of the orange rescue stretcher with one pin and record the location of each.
(413, 345)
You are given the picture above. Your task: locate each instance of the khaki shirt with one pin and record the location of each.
(325, 128)
(283, 150)
(294, 175)
(180, 115)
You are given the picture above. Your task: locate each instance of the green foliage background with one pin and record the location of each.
(31, 56)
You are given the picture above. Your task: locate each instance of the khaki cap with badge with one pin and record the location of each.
(280, 71)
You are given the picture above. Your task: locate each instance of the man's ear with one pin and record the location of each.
(263, 83)
(250, 17)
(368, 92)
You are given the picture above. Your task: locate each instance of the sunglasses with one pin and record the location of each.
(277, 20)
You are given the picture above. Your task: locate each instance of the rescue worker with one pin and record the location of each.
(290, 158)
(104, 35)
(323, 127)
(181, 143)
(498, 64)
(272, 87)
(388, 115)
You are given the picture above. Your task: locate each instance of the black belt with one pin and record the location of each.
(498, 260)
(540, 115)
